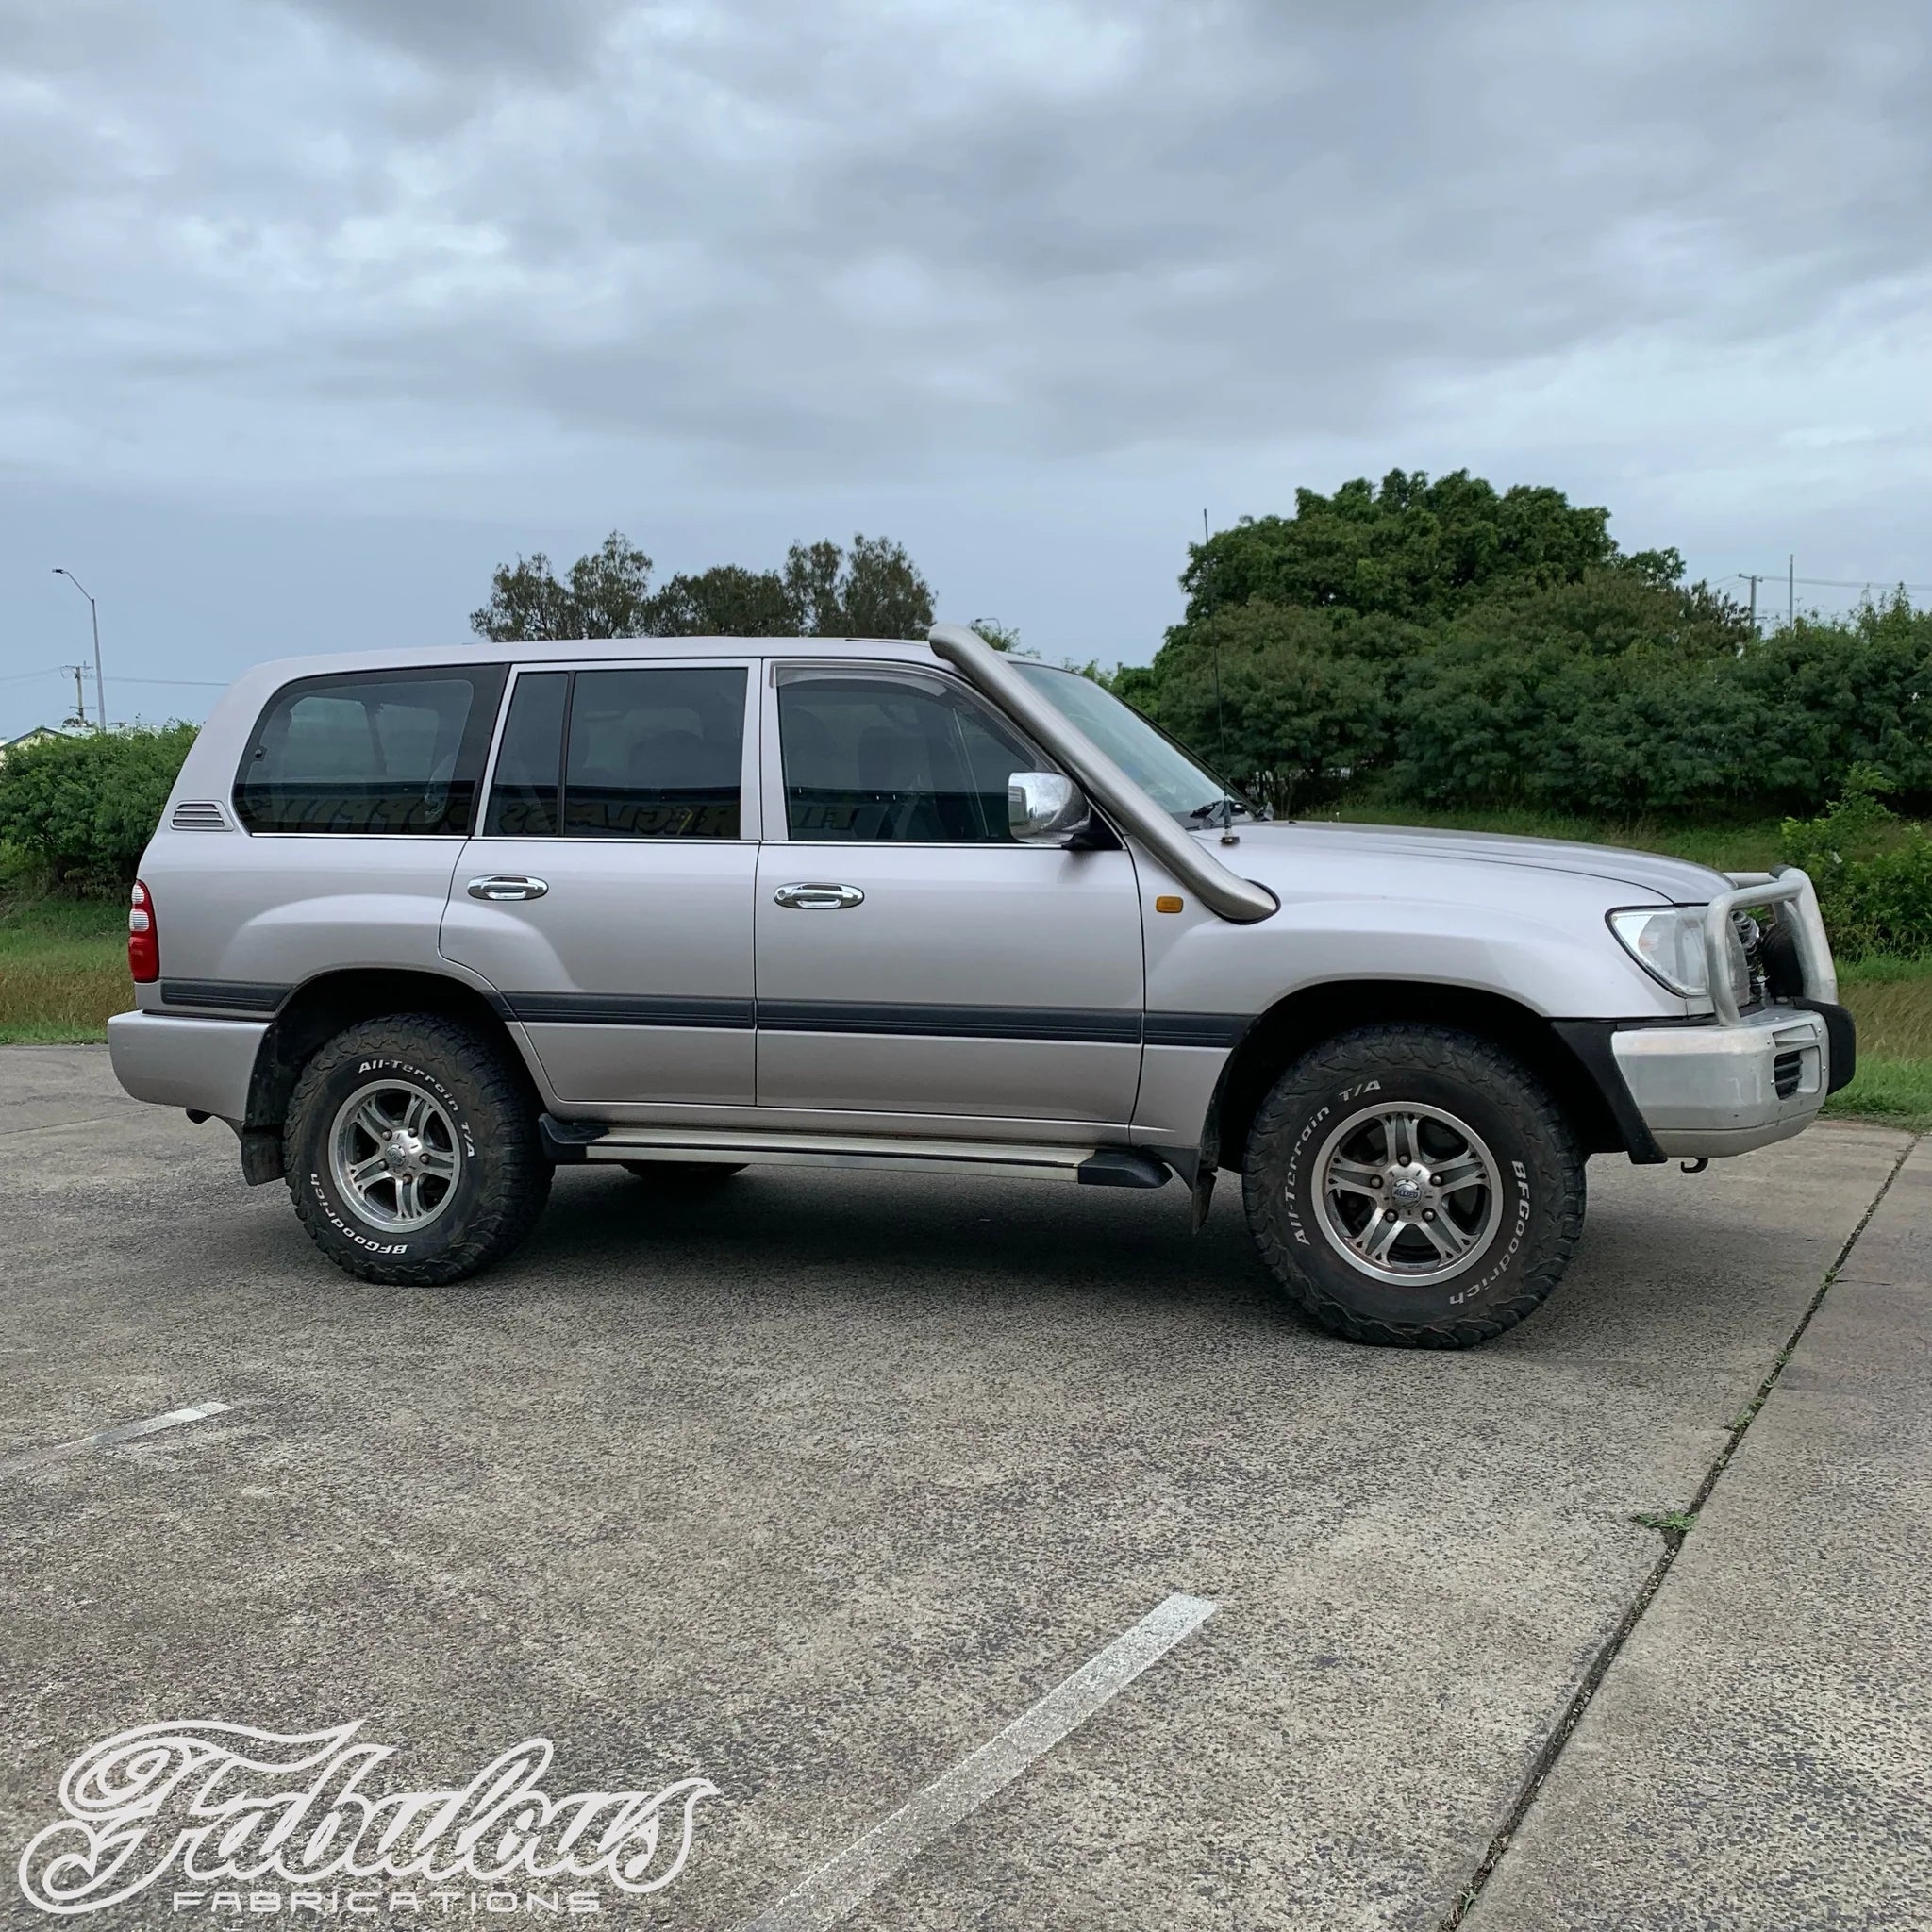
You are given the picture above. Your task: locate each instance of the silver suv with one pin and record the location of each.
(421, 926)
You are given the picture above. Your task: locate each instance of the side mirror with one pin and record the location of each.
(1043, 808)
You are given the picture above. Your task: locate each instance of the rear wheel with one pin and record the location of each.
(1413, 1186)
(683, 1177)
(412, 1151)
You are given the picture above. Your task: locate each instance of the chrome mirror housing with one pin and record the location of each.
(1043, 808)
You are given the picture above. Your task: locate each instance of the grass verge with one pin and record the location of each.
(63, 968)
(1892, 1001)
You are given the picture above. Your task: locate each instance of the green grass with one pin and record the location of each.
(1892, 1001)
(63, 968)
(1682, 1520)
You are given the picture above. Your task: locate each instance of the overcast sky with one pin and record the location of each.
(312, 310)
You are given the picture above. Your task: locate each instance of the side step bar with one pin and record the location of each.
(569, 1142)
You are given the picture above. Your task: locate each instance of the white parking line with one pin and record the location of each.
(845, 1881)
(108, 1438)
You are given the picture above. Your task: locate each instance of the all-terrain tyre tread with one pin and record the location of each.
(511, 1209)
(1361, 1054)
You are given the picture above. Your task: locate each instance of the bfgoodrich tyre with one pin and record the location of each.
(1413, 1186)
(412, 1151)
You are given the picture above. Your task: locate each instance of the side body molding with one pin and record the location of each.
(1237, 900)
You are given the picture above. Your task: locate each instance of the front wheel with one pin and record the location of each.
(412, 1151)
(1413, 1186)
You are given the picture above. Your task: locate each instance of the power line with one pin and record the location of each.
(1832, 583)
(200, 683)
(67, 670)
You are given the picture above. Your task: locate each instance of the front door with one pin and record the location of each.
(608, 896)
(911, 957)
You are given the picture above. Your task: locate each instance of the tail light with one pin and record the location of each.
(143, 941)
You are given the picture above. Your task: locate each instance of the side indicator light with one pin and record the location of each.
(1168, 902)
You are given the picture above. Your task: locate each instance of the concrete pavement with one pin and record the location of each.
(1760, 1754)
(811, 1487)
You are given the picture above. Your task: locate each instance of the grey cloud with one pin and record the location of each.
(518, 40)
(855, 240)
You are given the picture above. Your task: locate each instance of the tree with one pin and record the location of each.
(820, 590)
(725, 601)
(606, 594)
(1001, 636)
(873, 591)
(1412, 549)
(1264, 692)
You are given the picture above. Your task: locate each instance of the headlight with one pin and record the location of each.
(1668, 942)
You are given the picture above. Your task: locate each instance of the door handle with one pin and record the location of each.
(807, 897)
(497, 886)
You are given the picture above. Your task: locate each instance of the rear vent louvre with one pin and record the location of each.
(199, 815)
(1786, 1071)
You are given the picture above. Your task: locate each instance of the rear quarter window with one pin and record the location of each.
(371, 753)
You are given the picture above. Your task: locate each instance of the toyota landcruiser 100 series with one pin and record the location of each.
(421, 926)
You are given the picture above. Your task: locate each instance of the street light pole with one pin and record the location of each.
(95, 611)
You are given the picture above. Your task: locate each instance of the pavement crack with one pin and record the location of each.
(1673, 1524)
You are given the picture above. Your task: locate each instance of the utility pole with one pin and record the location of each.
(94, 610)
(1791, 589)
(79, 718)
(1751, 579)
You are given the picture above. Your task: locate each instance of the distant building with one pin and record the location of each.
(33, 737)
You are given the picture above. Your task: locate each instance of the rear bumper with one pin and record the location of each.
(178, 1061)
(1710, 1091)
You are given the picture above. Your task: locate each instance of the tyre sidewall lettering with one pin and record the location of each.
(1519, 1227)
(343, 1222)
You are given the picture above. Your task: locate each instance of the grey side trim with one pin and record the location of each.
(621, 1010)
(1101, 1025)
(1196, 1030)
(959, 1022)
(233, 995)
(1242, 901)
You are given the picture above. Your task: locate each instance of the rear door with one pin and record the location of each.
(608, 894)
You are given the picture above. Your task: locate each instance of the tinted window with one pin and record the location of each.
(655, 754)
(380, 751)
(529, 760)
(887, 758)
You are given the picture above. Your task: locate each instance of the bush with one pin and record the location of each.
(1465, 648)
(1873, 870)
(1283, 701)
(82, 808)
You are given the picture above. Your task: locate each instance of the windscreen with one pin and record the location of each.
(1169, 774)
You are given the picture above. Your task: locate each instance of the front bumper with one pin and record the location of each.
(1714, 1090)
(178, 1061)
